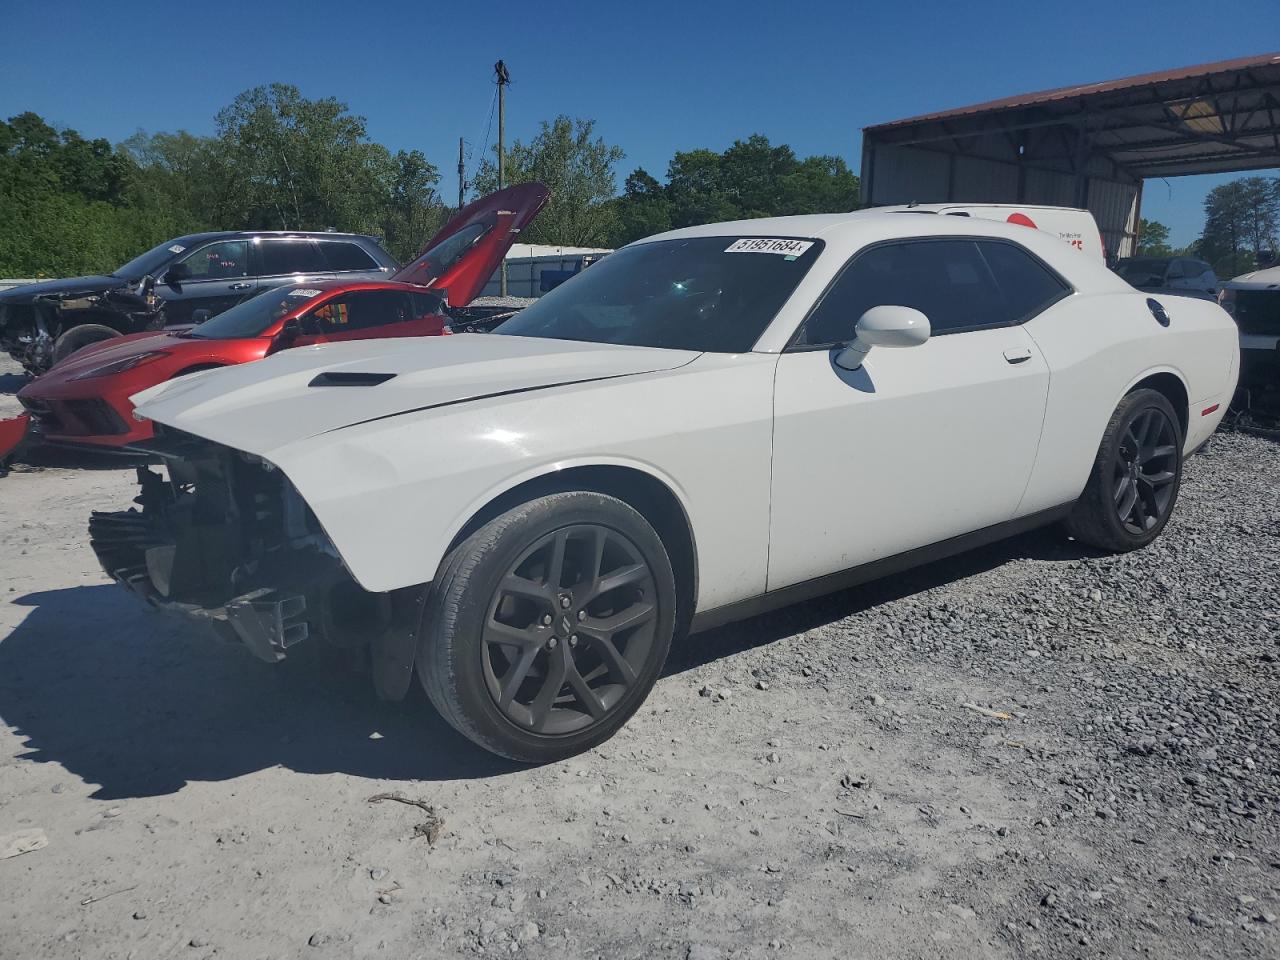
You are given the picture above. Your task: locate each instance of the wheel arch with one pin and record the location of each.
(1172, 386)
(653, 497)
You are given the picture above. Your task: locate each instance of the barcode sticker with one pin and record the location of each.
(785, 248)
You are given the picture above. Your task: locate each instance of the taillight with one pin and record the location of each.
(1227, 300)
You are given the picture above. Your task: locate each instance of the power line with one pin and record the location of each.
(493, 103)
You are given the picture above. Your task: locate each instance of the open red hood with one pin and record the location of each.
(462, 257)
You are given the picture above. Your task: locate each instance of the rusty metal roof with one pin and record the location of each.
(1213, 117)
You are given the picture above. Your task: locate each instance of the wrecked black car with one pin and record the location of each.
(41, 323)
(181, 281)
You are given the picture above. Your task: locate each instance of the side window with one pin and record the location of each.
(426, 304)
(1175, 271)
(363, 310)
(279, 256)
(221, 260)
(343, 255)
(947, 280)
(1027, 285)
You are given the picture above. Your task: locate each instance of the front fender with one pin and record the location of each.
(393, 494)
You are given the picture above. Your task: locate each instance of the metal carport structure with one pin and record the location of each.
(1087, 146)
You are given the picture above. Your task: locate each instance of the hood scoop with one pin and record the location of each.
(346, 378)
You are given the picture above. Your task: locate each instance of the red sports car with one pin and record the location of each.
(84, 400)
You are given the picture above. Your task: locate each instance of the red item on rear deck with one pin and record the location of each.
(12, 432)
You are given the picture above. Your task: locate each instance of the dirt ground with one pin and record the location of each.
(996, 756)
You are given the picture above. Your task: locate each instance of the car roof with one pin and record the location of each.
(326, 286)
(308, 234)
(856, 229)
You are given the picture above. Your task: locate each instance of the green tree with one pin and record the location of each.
(414, 210)
(1153, 239)
(278, 160)
(1241, 219)
(66, 202)
(752, 178)
(641, 211)
(579, 167)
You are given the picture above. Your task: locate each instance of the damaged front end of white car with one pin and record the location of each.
(223, 537)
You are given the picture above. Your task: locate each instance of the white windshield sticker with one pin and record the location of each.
(177, 248)
(304, 292)
(786, 248)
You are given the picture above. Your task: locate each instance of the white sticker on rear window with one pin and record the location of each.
(177, 248)
(304, 292)
(785, 248)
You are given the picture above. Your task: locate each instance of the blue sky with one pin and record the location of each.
(657, 76)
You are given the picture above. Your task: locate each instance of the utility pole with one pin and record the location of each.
(504, 78)
(462, 175)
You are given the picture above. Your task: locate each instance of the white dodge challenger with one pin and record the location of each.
(706, 424)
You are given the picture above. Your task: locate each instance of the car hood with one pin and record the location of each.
(307, 391)
(118, 348)
(1257, 280)
(72, 285)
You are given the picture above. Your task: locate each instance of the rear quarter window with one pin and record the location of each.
(1027, 286)
(343, 255)
(281, 256)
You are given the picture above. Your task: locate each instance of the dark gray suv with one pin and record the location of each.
(181, 281)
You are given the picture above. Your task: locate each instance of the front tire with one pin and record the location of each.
(546, 629)
(1135, 478)
(79, 337)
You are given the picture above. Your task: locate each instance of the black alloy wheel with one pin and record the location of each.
(1133, 485)
(569, 629)
(1145, 469)
(547, 627)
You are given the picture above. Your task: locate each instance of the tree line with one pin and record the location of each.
(277, 160)
(1241, 225)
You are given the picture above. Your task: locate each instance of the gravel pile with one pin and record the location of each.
(1140, 710)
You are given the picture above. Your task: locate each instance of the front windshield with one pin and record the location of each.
(253, 317)
(151, 261)
(713, 294)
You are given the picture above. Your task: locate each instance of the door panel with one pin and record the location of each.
(919, 445)
(220, 278)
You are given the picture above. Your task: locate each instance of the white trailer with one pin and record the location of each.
(533, 269)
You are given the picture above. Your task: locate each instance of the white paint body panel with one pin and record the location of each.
(786, 467)
(918, 445)
(1075, 227)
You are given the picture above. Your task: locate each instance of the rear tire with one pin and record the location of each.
(1135, 479)
(546, 629)
(79, 337)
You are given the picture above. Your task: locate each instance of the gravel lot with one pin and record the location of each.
(1027, 750)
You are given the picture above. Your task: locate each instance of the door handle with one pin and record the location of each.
(241, 286)
(1019, 355)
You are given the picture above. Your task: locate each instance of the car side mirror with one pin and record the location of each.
(177, 273)
(201, 315)
(884, 326)
(290, 332)
(310, 326)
